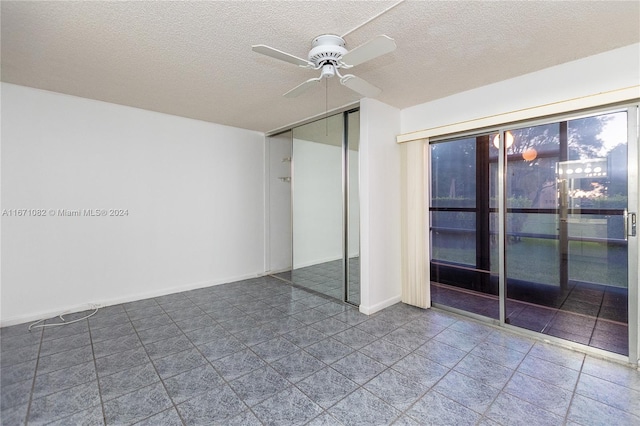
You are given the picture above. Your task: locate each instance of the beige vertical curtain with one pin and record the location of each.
(415, 272)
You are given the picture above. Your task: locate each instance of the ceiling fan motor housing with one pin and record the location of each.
(327, 49)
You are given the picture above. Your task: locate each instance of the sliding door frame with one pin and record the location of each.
(633, 165)
(633, 203)
(346, 189)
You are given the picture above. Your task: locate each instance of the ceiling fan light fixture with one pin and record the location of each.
(328, 71)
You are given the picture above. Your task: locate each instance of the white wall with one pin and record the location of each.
(193, 191)
(317, 203)
(607, 71)
(379, 206)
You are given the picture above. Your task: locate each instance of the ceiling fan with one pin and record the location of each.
(329, 55)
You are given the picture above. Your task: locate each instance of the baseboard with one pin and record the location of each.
(316, 262)
(368, 310)
(118, 300)
(278, 271)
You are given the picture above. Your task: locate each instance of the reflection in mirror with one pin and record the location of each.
(279, 163)
(317, 206)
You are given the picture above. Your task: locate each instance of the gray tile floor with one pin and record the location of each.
(327, 278)
(263, 352)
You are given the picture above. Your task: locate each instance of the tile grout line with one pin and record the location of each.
(151, 360)
(35, 375)
(59, 369)
(301, 349)
(502, 389)
(595, 324)
(358, 385)
(154, 367)
(573, 393)
(581, 373)
(226, 382)
(406, 411)
(95, 366)
(390, 367)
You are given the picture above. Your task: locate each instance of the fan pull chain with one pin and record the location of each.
(326, 106)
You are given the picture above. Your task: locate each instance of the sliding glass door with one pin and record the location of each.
(461, 237)
(549, 213)
(567, 256)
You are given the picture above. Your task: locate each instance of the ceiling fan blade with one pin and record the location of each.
(301, 88)
(372, 49)
(279, 54)
(361, 86)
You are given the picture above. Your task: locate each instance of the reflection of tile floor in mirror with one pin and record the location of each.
(326, 278)
(591, 317)
(262, 352)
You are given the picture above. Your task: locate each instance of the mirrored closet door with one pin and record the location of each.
(324, 206)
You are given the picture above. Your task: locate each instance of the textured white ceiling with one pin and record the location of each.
(194, 59)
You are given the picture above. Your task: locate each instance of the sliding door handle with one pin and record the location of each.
(629, 224)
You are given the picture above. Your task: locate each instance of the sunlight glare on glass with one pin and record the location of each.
(614, 132)
(509, 138)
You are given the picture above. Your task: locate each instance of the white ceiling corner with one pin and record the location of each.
(194, 59)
